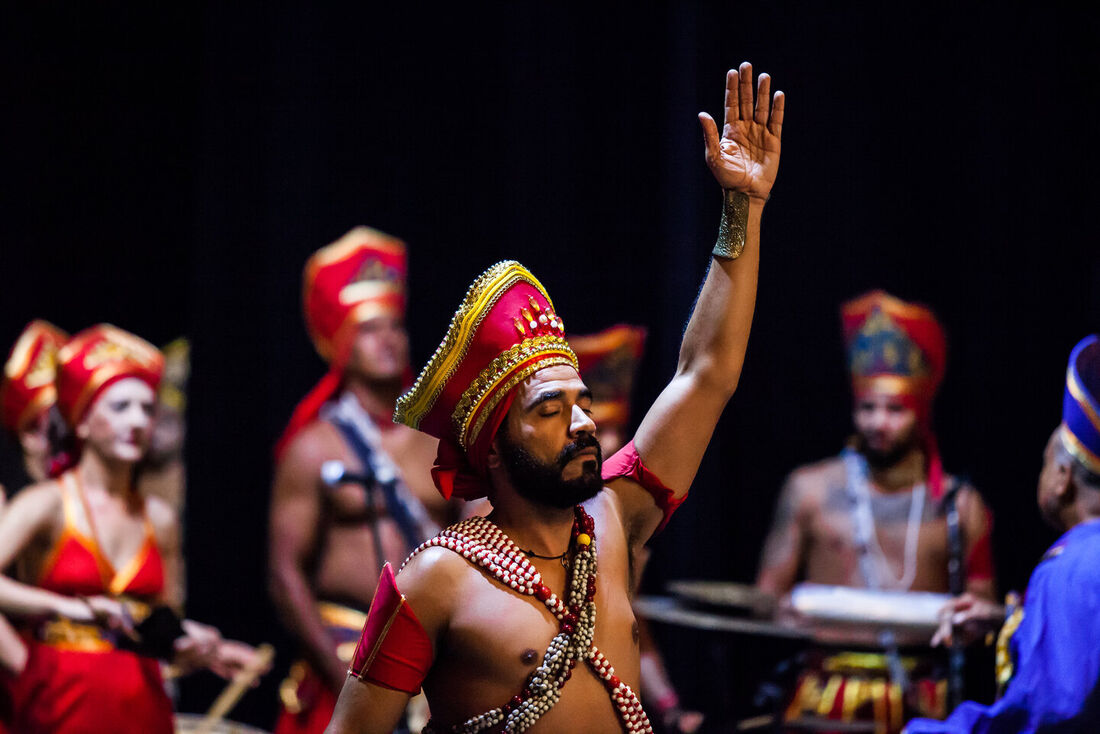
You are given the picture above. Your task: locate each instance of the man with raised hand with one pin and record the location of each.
(496, 640)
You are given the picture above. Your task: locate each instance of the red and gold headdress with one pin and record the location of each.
(96, 358)
(609, 360)
(898, 349)
(358, 277)
(28, 388)
(894, 347)
(505, 330)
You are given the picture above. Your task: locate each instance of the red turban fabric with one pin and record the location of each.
(97, 358)
(28, 389)
(898, 349)
(359, 277)
(504, 331)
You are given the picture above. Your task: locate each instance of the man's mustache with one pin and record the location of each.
(571, 450)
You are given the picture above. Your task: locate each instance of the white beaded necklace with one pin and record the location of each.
(483, 544)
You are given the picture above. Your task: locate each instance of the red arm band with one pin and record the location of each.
(627, 463)
(393, 650)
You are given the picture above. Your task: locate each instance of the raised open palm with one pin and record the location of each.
(746, 157)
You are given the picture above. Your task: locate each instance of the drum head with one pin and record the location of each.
(725, 594)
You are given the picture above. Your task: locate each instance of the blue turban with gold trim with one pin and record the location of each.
(1080, 429)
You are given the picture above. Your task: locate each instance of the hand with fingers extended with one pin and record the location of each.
(746, 157)
(969, 618)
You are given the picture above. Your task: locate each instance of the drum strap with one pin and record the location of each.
(957, 585)
(361, 437)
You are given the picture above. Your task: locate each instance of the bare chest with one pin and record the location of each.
(498, 638)
(903, 532)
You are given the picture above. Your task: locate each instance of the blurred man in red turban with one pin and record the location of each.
(877, 515)
(328, 530)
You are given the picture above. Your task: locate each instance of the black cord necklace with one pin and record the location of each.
(563, 556)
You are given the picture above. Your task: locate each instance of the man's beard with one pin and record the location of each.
(889, 456)
(542, 483)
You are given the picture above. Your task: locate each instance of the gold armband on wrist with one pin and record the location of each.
(734, 225)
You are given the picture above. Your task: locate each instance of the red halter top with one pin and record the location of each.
(77, 567)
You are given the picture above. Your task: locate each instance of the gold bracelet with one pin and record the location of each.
(734, 225)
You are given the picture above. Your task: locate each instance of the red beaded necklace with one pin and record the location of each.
(483, 544)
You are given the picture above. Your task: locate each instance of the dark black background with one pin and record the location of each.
(170, 170)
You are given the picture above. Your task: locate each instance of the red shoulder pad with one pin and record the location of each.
(627, 463)
(394, 650)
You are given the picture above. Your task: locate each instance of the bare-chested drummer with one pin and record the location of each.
(326, 532)
(887, 486)
(497, 641)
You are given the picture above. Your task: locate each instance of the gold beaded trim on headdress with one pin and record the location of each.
(480, 298)
(554, 349)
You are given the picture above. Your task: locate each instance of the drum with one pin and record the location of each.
(673, 611)
(726, 595)
(840, 614)
(193, 724)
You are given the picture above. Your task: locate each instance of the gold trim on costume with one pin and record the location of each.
(480, 298)
(807, 697)
(869, 662)
(21, 354)
(1079, 450)
(890, 384)
(338, 615)
(1005, 665)
(381, 638)
(349, 244)
(484, 386)
(123, 577)
(65, 634)
(889, 304)
(365, 290)
(853, 697)
(897, 713)
(830, 695)
(878, 698)
(734, 227)
(1083, 399)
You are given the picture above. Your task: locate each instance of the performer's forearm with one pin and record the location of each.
(717, 334)
(21, 600)
(297, 608)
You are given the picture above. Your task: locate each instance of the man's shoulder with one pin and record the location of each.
(317, 441)
(818, 475)
(433, 571)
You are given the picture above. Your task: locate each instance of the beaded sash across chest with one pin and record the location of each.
(483, 544)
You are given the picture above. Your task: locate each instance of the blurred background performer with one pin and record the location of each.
(163, 473)
(27, 395)
(1052, 660)
(609, 360)
(325, 540)
(889, 487)
(101, 556)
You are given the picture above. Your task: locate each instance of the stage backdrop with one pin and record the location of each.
(170, 173)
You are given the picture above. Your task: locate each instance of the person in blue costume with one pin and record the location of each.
(1056, 647)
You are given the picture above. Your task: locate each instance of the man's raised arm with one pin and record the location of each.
(675, 432)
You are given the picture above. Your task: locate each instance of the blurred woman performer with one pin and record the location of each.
(27, 397)
(100, 555)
